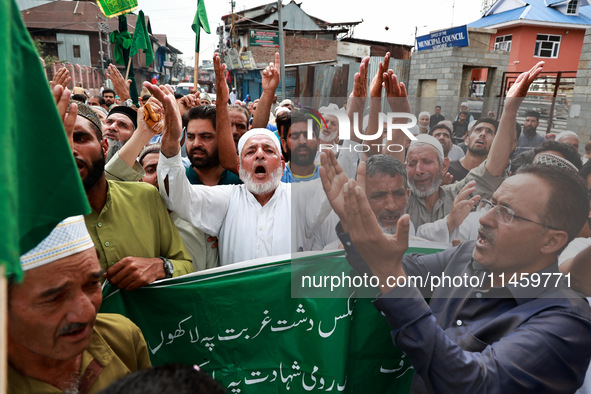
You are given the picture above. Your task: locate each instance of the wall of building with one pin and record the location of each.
(298, 50)
(524, 42)
(580, 110)
(442, 77)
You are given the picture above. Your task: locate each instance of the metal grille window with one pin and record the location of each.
(547, 45)
(571, 9)
(503, 43)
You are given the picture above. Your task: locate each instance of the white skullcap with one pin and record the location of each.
(279, 110)
(252, 133)
(424, 113)
(430, 140)
(566, 134)
(69, 237)
(464, 104)
(286, 102)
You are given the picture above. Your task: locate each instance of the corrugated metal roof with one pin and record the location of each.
(552, 2)
(536, 11)
(60, 15)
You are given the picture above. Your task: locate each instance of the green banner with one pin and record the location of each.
(240, 324)
(112, 8)
(264, 38)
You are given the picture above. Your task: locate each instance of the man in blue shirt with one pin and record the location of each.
(492, 327)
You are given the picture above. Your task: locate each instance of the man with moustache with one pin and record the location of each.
(479, 141)
(301, 150)
(202, 149)
(136, 240)
(57, 340)
(529, 138)
(443, 134)
(488, 334)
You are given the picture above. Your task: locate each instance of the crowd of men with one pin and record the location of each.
(202, 184)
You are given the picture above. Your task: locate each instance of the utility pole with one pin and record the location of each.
(281, 50)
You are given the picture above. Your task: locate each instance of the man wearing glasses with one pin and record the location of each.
(517, 326)
(505, 320)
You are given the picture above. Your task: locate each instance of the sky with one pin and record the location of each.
(174, 18)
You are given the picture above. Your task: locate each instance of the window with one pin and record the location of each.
(76, 50)
(547, 45)
(571, 9)
(503, 43)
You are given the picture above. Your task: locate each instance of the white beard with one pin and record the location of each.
(257, 188)
(426, 193)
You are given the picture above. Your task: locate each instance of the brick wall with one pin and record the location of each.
(298, 50)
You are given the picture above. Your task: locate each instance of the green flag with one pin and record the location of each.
(200, 22)
(141, 40)
(118, 7)
(260, 328)
(41, 185)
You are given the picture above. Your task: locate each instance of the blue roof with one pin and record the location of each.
(536, 11)
(551, 2)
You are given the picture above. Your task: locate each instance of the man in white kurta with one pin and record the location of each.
(246, 228)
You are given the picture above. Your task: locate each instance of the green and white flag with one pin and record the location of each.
(241, 324)
(113, 8)
(41, 185)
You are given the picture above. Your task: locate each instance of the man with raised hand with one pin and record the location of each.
(250, 220)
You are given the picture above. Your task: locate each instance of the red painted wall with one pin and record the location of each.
(524, 43)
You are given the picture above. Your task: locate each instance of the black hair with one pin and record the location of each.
(200, 112)
(492, 121)
(534, 114)
(567, 207)
(385, 164)
(107, 90)
(168, 378)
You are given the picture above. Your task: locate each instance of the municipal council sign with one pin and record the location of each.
(454, 37)
(264, 38)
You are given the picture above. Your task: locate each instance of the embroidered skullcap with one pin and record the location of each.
(429, 140)
(150, 148)
(252, 133)
(69, 237)
(550, 159)
(127, 111)
(87, 113)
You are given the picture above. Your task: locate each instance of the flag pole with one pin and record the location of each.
(127, 71)
(196, 73)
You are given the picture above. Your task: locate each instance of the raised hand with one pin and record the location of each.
(519, 89)
(120, 85)
(271, 76)
(62, 77)
(62, 96)
(221, 86)
(462, 206)
(170, 144)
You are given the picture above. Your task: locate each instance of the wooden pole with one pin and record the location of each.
(127, 71)
(3, 330)
(196, 73)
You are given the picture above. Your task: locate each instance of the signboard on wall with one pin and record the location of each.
(453, 37)
(264, 38)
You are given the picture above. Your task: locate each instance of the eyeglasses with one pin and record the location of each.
(505, 214)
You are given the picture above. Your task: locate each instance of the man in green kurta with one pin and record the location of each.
(56, 340)
(129, 225)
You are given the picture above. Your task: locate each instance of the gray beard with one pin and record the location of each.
(425, 193)
(261, 188)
